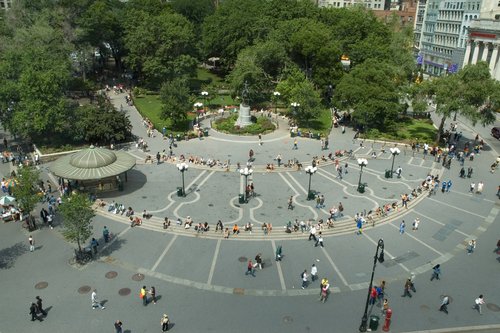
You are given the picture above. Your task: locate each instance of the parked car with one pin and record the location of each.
(495, 131)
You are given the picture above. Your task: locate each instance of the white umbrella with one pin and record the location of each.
(6, 200)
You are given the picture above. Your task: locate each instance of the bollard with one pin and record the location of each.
(387, 323)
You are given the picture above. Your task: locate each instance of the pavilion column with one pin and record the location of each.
(485, 51)
(493, 60)
(475, 54)
(467, 53)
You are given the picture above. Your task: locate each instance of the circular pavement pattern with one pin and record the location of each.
(288, 319)
(41, 285)
(111, 275)
(138, 277)
(124, 292)
(84, 289)
(242, 259)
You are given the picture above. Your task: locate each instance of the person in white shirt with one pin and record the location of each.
(314, 272)
(95, 301)
(479, 301)
(304, 279)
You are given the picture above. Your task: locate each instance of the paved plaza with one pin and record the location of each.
(200, 277)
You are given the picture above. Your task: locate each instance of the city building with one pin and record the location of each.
(419, 21)
(484, 38)
(443, 34)
(5, 4)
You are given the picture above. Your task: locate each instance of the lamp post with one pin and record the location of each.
(295, 106)
(246, 172)
(182, 168)
(205, 97)
(346, 62)
(277, 95)
(197, 106)
(380, 259)
(310, 170)
(394, 151)
(362, 162)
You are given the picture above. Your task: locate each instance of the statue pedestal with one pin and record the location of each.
(244, 118)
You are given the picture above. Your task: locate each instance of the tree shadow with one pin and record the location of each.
(114, 245)
(9, 255)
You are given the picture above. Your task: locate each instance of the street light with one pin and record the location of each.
(362, 162)
(380, 259)
(246, 172)
(310, 170)
(276, 97)
(197, 106)
(295, 106)
(182, 168)
(205, 96)
(394, 151)
(346, 62)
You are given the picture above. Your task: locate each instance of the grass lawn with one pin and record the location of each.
(409, 130)
(322, 124)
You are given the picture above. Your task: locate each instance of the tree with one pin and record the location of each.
(176, 101)
(25, 190)
(161, 47)
(77, 215)
(194, 10)
(471, 93)
(371, 91)
(101, 123)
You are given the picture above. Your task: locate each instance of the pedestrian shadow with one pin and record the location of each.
(158, 298)
(9, 255)
(127, 331)
(103, 302)
(48, 309)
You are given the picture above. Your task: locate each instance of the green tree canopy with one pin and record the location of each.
(26, 189)
(77, 215)
(176, 101)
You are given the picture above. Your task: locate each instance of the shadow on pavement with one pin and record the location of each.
(113, 246)
(9, 255)
(135, 181)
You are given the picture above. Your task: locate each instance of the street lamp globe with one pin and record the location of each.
(362, 162)
(246, 171)
(204, 93)
(310, 170)
(276, 94)
(395, 151)
(182, 166)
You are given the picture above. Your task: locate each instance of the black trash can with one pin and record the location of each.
(388, 174)
(205, 132)
(374, 320)
(361, 188)
(179, 192)
(311, 195)
(241, 199)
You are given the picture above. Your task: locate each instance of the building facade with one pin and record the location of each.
(5, 4)
(483, 40)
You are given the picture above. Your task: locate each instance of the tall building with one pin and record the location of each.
(419, 21)
(484, 38)
(444, 32)
(5, 4)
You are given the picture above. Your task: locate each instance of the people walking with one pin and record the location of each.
(314, 273)
(250, 269)
(304, 279)
(260, 139)
(407, 287)
(278, 252)
(152, 292)
(33, 314)
(319, 241)
(444, 304)
(290, 203)
(31, 242)
(164, 322)
(312, 233)
(295, 144)
(258, 260)
(118, 326)
(480, 186)
(416, 223)
(144, 295)
(95, 300)
(402, 227)
(325, 290)
(471, 246)
(478, 303)
(385, 307)
(472, 187)
(436, 271)
(94, 244)
(448, 185)
(105, 234)
(39, 306)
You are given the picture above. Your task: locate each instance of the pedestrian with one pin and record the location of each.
(402, 227)
(416, 223)
(295, 144)
(164, 322)
(158, 157)
(118, 326)
(278, 159)
(381, 292)
(258, 260)
(43, 215)
(33, 314)
(359, 225)
(318, 201)
(479, 301)
(144, 296)
(105, 234)
(436, 271)
(373, 296)
(443, 187)
(278, 253)
(471, 246)
(345, 168)
(472, 187)
(480, 186)
(312, 233)
(448, 185)
(250, 269)
(407, 287)
(260, 139)
(152, 292)
(304, 279)
(469, 172)
(325, 289)
(399, 170)
(385, 307)
(94, 244)
(95, 301)
(319, 241)
(290, 203)
(462, 173)
(49, 221)
(314, 273)
(40, 306)
(31, 242)
(444, 304)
